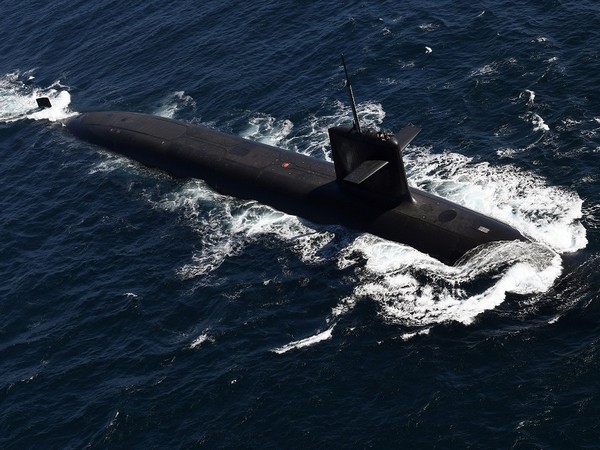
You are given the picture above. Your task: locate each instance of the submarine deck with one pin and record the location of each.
(291, 182)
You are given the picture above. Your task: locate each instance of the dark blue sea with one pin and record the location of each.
(142, 311)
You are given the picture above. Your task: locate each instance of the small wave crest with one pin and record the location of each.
(198, 341)
(306, 342)
(176, 103)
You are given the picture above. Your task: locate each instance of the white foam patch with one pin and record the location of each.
(210, 214)
(113, 161)
(226, 225)
(204, 337)
(428, 27)
(18, 99)
(312, 138)
(306, 342)
(415, 290)
(538, 123)
(530, 96)
(256, 220)
(547, 214)
(407, 336)
(174, 104)
(492, 68)
(267, 130)
(488, 69)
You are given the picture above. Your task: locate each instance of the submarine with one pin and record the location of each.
(365, 188)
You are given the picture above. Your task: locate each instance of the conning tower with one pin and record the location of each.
(369, 162)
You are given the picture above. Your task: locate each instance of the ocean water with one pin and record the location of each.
(138, 310)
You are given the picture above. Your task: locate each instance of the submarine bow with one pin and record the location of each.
(365, 188)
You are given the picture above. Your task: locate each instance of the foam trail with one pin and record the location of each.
(407, 336)
(306, 342)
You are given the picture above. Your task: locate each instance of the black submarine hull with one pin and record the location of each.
(290, 182)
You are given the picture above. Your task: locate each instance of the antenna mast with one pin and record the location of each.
(352, 102)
